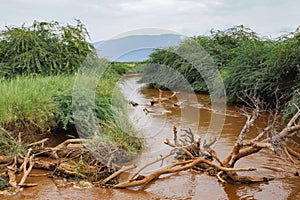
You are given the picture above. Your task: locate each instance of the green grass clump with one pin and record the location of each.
(122, 138)
(46, 103)
(30, 99)
(10, 146)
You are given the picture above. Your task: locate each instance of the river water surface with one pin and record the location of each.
(193, 112)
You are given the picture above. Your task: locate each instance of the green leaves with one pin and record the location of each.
(245, 61)
(45, 48)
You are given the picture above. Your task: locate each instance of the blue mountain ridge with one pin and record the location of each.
(134, 48)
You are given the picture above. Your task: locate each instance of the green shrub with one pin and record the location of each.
(45, 48)
(64, 114)
(46, 103)
(220, 45)
(247, 62)
(159, 72)
(29, 99)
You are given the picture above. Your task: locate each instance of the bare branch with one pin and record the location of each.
(27, 171)
(167, 142)
(249, 122)
(294, 118)
(289, 156)
(257, 144)
(214, 155)
(117, 173)
(259, 136)
(211, 142)
(156, 174)
(219, 177)
(151, 163)
(39, 142)
(293, 152)
(8, 134)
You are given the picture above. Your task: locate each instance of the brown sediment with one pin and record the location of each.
(186, 185)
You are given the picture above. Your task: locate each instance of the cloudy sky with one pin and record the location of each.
(108, 18)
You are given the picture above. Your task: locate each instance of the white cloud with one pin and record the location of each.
(107, 18)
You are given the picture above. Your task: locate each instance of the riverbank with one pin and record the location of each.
(185, 184)
(33, 109)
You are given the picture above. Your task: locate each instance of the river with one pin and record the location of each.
(158, 125)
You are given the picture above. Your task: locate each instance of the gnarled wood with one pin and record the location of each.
(155, 175)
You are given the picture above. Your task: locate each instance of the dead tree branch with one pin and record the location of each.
(117, 173)
(147, 179)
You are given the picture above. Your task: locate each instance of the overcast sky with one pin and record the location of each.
(107, 18)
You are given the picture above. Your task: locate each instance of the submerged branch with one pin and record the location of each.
(147, 179)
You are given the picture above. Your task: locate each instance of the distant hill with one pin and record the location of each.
(134, 48)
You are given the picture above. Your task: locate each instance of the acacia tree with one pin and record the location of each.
(45, 48)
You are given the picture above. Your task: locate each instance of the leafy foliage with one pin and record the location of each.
(64, 114)
(249, 70)
(166, 69)
(220, 45)
(38, 66)
(45, 48)
(246, 61)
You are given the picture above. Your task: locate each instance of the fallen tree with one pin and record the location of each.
(70, 159)
(192, 153)
(73, 158)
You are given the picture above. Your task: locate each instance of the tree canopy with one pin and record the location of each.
(270, 68)
(45, 48)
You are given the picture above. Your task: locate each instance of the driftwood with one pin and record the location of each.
(160, 99)
(117, 173)
(13, 170)
(172, 169)
(189, 157)
(72, 159)
(293, 152)
(68, 159)
(63, 149)
(191, 153)
(245, 148)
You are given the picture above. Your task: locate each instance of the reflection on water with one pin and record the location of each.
(156, 126)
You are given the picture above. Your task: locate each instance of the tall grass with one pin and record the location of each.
(46, 103)
(30, 99)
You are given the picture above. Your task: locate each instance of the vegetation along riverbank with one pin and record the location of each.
(38, 68)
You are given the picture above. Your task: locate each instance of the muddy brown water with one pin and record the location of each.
(156, 126)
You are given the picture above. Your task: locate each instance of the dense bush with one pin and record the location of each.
(249, 70)
(64, 114)
(220, 45)
(265, 66)
(269, 68)
(45, 48)
(38, 68)
(163, 77)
